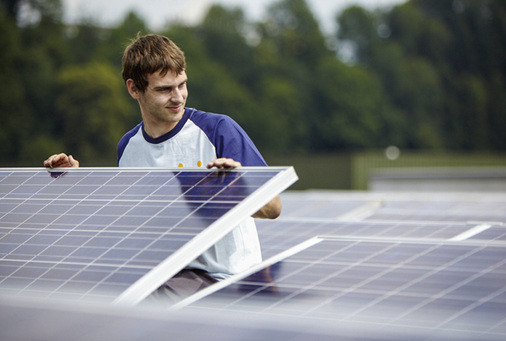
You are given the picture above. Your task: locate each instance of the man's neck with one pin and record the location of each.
(157, 129)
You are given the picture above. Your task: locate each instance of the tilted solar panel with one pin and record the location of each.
(116, 234)
(278, 236)
(450, 207)
(444, 278)
(446, 289)
(362, 214)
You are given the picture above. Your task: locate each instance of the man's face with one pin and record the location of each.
(164, 99)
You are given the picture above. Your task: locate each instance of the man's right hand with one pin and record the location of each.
(60, 160)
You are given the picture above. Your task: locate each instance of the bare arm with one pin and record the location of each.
(271, 210)
(60, 160)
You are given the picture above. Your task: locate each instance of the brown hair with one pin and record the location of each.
(149, 54)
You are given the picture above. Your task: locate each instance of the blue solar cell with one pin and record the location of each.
(384, 263)
(377, 282)
(119, 222)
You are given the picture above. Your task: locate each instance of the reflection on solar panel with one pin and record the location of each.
(117, 234)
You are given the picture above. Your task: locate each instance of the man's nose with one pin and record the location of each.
(177, 95)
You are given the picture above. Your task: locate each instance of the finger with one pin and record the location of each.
(231, 164)
(224, 163)
(48, 161)
(57, 160)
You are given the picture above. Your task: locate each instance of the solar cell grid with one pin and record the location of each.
(319, 208)
(76, 322)
(278, 235)
(422, 207)
(394, 215)
(94, 232)
(497, 233)
(408, 262)
(382, 262)
(391, 215)
(438, 286)
(465, 208)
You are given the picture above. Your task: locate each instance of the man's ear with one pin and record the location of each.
(132, 89)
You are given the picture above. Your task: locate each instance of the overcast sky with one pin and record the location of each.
(156, 13)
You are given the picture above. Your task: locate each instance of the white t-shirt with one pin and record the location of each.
(197, 139)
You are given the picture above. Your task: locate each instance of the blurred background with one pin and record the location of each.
(353, 96)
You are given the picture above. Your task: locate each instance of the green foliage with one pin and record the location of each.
(357, 28)
(222, 35)
(437, 61)
(472, 130)
(15, 116)
(352, 104)
(427, 74)
(296, 33)
(92, 106)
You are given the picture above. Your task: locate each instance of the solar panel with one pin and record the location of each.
(493, 233)
(42, 320)
(424, 207)
(326, 205)
(116, 234)
(444, 207)
(278, 236)
(446, 278)
(364, 214)
(354, 265)
(445, 288)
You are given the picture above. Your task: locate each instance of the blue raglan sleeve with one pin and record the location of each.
(231, 141)
(124, 141)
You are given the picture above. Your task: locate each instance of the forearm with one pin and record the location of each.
(271, 210)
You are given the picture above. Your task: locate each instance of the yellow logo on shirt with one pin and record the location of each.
(199, 164)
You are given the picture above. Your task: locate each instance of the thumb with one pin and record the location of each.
(73, 162)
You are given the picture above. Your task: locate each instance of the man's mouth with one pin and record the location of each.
(175, 109)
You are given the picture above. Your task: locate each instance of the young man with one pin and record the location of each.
(171, 135)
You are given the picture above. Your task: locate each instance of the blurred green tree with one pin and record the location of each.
(357, 32)
(424, 74)
(93, 109)
(117, 38)
(17, 120)
(353, 104)
(290, 50)
(223, 34)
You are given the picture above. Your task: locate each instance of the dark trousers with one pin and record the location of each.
(184, 284)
